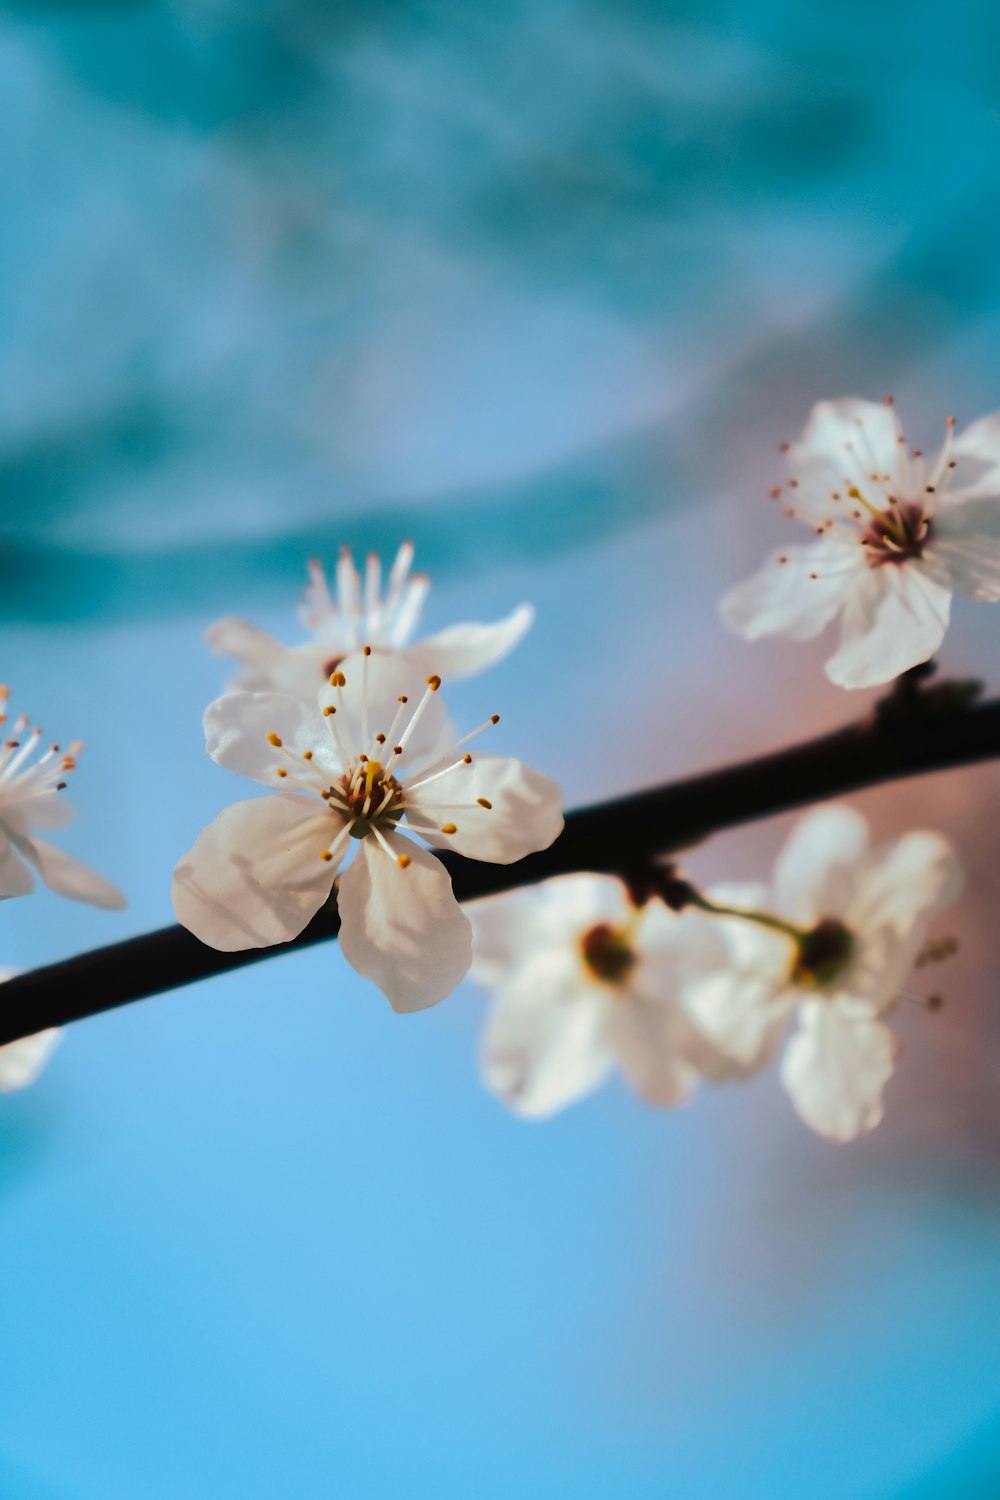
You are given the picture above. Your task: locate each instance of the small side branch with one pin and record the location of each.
(902, 738)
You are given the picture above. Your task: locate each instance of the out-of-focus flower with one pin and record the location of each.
(895, 536)
(21, 1062)
(834, 941)
(30, 787)
(585, 980)
(261, 870)
(361, 614)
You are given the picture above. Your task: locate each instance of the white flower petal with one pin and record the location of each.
(818, 869)
(237, 726)
(505, 929)
(403, 928)
(895, 618)
(15, 877)
(895, 895)
(966, 543)
(48, 809)
(68, 877)
(741, 1012)
(675, 952)
(21, 1062)
(524, 812)
(980, 442)
(545, 1044)
(255, 876)
(844, 442)
(389, 678)
(232, 637)
(835, 1068)
(267, 665)
(654, 1042)
(741, 1005)
(784, 599)
(462, 650)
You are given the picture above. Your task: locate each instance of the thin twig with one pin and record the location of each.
(904, 737)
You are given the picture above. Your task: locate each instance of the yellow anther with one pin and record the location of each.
(337, 679)
(368, 651)
(403, 860)
(402, 698)
(307, 755)
(434, 682)
(494, 718)
(282, 771)
(274, 739)
(326, 854)
(467, 758)
(328, 710)
(448, 828)
(484, 802)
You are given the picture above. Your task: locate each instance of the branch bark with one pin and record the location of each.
(908, 734)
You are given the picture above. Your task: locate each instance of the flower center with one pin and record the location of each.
(897, 534)
(823, 954)
(374, 798)
(606, 953)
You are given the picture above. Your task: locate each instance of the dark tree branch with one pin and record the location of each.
(910, 732)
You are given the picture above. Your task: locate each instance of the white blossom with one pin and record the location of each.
(584, 980)
(360, 613)
(374, 758)
(21, 1062)
(895, 534)
(31, 786)
(850, 923)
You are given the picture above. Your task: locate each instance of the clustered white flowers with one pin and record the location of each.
(368, 783)
(586, 976)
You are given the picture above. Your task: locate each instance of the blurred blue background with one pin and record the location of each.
(541, 286)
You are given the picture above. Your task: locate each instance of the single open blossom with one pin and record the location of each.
(31, 786)
(585, 980)
(21, 1062)
(362, 614)
(375, 757)
(895, 534)
(849, 926)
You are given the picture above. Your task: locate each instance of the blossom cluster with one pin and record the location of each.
(368, 785)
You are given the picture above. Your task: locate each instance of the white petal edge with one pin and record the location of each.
(68, 877)
(402, 928)
(843, 441)
(237, 726)
(817, 870)
(894, 619)
(785, 599)
(523, 816)
(462, 650)
(835, 1069)
(900, 889)
(966, 542)
(545, 1044)
(255, 876)
(15, 877)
